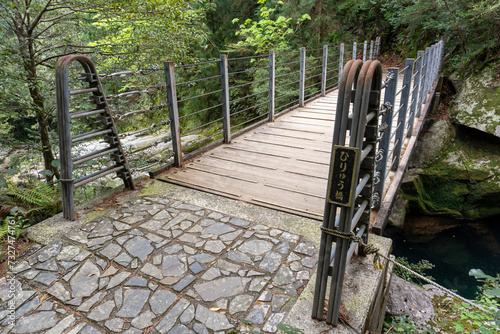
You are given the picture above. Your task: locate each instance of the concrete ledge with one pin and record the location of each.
(363, 295)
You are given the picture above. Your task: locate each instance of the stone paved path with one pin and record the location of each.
(158, 266)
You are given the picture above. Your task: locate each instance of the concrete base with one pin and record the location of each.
(363, 294)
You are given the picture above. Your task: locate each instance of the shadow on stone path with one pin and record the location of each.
(159, 266)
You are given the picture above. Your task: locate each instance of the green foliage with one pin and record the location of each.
(268, 33)
(14, 230)
(471, 29)
(37, 197)
(403, 324)
(419, 267)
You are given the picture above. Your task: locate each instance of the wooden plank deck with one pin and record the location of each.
(281, 165)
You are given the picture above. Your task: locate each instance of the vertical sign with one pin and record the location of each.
(341, 183)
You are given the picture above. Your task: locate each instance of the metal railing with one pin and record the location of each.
(253, 89)
(208, 103)
(405, 105)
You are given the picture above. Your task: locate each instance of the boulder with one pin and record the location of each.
(477, 104)
(406, 298)
(398, 212)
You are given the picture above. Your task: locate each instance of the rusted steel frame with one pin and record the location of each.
(369, 79)
(339, 135)
(173, 113)
(65, 140)
(331, 209)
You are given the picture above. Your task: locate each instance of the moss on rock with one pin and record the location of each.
(463, 183)
(477, 104)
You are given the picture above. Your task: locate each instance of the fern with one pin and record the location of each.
(39, 197)
(4, 230)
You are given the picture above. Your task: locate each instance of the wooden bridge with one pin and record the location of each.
(284, 163)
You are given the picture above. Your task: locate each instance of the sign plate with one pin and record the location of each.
(341, 183)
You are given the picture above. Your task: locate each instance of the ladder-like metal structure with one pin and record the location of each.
(108, 131)
(351, 180)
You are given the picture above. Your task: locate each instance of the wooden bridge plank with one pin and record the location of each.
(282, 165)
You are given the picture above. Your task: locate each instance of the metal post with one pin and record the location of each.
(414, 95)
(430, 80)
(272, 84)
(325, 70)
(354, 46)
(341, 61)
(389, 102)
(441, 52)
(371, 50)
(224, 80)
(302, 76)
(423, 78)
(403, 107)
(63, 122)
(365, 46)
(174, 113)
(427, 73)
(377, 47)
(435, 62)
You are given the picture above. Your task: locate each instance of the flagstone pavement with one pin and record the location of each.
(158, 265)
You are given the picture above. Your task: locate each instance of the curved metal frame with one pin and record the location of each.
(109, 131)
(365, 81)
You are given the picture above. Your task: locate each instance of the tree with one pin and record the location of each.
(34, 34)
(267, 33)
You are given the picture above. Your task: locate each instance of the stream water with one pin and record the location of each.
(454, 252)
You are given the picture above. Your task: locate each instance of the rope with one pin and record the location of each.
(372, 249)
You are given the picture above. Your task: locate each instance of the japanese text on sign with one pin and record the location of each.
(341, 183)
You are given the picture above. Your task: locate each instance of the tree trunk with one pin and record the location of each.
(318, 10)
(27, 50)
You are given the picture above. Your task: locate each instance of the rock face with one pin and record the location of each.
(406, 298)
(477, 103)
(457, 174)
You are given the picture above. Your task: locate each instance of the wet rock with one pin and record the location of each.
(139, 247)
(171, 317)
(161, 300)
(133, 302)
(283, 276)
(102, 311)
(212, 320)
(270, 262)
(36, 322)
(258, 314)
(85, 281)
(49, 251)
(222, 287)
(143, 320)
(256, 247)
(240, 303)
